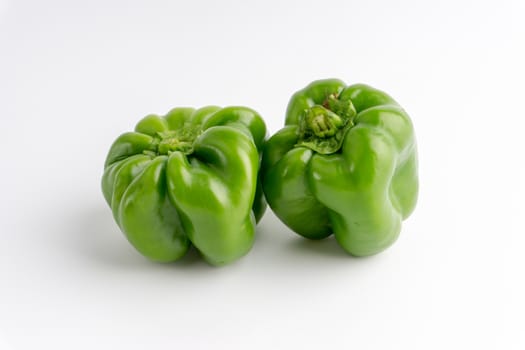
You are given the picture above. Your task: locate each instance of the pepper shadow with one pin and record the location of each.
(98, 238)
(279, 241)
(327, 247)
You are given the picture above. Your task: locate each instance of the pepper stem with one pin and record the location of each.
(180, 140)
(322, 127)
(322, 122)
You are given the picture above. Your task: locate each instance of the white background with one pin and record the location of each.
(74, 75)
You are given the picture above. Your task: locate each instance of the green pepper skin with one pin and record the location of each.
(360, 191)
(188, 178)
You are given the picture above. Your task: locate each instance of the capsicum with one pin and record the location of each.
(188, 178)
(345, 163)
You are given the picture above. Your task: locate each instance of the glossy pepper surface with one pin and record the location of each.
(345, 163)
(188, 178)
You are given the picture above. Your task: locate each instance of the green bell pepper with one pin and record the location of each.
(345, 163)
(188, 178)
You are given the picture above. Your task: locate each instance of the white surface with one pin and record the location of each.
(75, 75)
